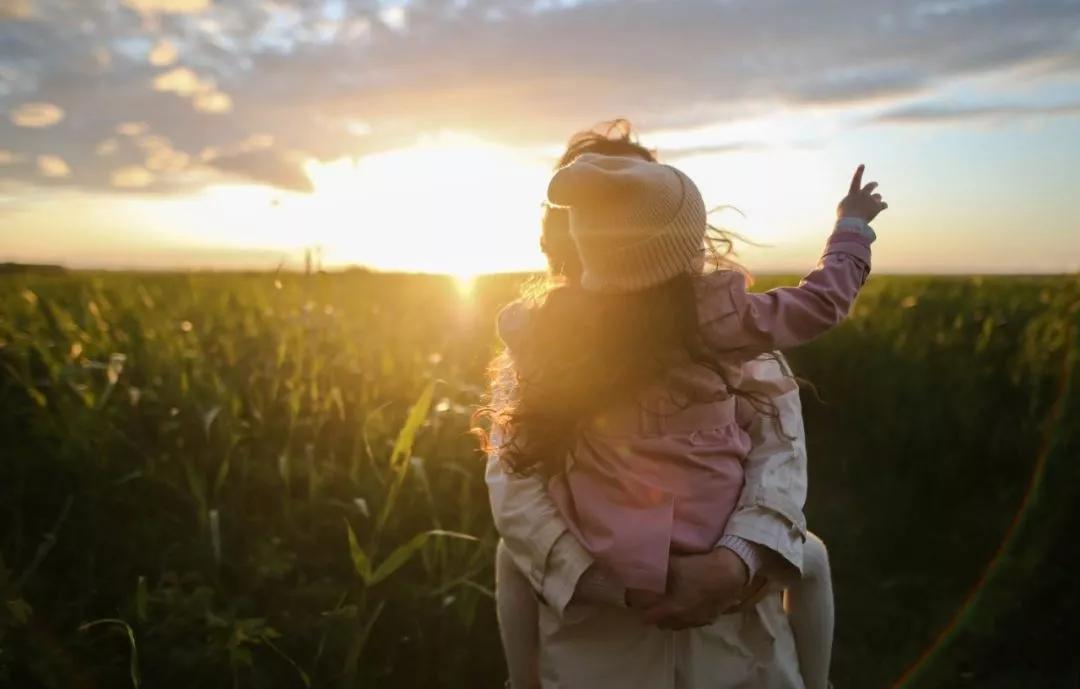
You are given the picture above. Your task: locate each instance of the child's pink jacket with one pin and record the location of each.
(651, 476)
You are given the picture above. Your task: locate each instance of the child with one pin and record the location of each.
(629, 396)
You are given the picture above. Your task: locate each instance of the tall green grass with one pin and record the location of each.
(267, 481)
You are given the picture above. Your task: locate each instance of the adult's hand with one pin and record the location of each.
(700, 587)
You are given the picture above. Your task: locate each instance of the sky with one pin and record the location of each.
(419, 134)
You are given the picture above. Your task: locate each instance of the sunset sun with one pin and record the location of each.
(449, 204)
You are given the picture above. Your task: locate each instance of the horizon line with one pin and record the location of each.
(20, 267)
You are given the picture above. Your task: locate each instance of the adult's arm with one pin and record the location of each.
(769, 514)
(535, 534)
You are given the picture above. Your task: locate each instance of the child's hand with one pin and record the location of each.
(640, 599)
(861, 202)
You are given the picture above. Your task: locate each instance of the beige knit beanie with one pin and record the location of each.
(635, 223)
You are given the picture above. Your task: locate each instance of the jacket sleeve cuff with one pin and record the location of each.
(567, 562)
(748, 552)
(767, 529)
(543, 541)
(858, 225)
(850, 242)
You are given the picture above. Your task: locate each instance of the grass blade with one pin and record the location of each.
(402, 449)
(133, 663)
(403, 553)
(360, 560)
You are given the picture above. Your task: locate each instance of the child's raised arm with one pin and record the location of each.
(737, 322)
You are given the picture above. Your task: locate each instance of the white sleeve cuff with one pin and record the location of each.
(851, 224)
(746, 551)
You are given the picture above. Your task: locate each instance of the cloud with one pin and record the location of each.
(327, 79)
(395, 17)
(269, 166)
(160, 154)
(203, 92)
(181, 81)
(213, 102)
(168, 6)
(945, 113)
(53, 167)
(16, 9)
(358, 127)
(132, 177)
(713, 149)
(107, 147)
(167, 160)
(36, 115)
(854, 84)
(132, 128)
(163, 54)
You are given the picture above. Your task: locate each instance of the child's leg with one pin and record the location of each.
(518, 612)
(809, 604)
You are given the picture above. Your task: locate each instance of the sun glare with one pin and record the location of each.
(450, 204)
(462, 206)
(465, 284)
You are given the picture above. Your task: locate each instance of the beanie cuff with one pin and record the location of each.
(645, 264)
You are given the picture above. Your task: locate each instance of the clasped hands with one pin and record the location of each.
(700, 588)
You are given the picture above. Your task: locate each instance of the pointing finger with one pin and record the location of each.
(856, 180)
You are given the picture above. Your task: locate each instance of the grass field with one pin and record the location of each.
(266, 481)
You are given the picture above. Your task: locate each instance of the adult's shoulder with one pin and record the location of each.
(769, 374)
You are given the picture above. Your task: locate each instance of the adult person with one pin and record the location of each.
(585, 619)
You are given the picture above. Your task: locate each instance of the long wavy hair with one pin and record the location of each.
(581, 351)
